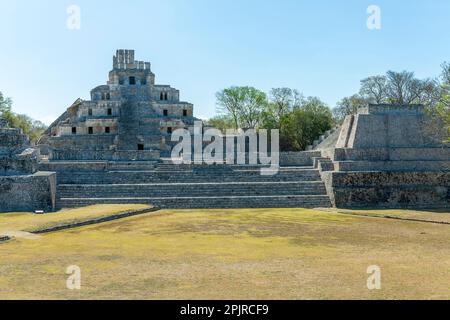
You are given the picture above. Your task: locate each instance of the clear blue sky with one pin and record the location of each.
(322, 48)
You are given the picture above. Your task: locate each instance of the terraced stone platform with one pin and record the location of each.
(186, 186)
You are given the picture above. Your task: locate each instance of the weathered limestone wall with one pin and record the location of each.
(392, 154)
(16, 155)
(388, 126)
(28, 193)
(303, 158)
(21, 187)
(10, 167)
(388, 189)
(107, 155)
(69, 166)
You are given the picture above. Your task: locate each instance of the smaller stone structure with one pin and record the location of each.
(22, 187)
(387, 156)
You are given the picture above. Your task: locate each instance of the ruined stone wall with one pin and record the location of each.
(303, 158)
(16, 155)
(28, 193)
(106, 155)
(388, 189)
(22, 188)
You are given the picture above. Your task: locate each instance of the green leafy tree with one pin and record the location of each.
(254, 104)
(33, 128)
(300, 120)
(305, 124)
(229, 102)
(245, 105)
(5, 107)
(281, 103)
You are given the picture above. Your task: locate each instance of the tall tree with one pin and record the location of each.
(229, 102)
(348, 106)
(5, 106)
(300, 120)
(430, 92)
(374, 89)
(305, 124)
(254, 104)
(445, 73)
(403, 87)
(281, 102)
(400, 88)
(245, 105)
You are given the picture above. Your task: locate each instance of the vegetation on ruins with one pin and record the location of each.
(32, 128)
(348, 106)
(300, 120)
(404, 88)
(393, 88)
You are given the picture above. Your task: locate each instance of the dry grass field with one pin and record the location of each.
(230, 254)
(25, 221)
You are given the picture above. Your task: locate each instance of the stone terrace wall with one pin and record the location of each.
(388, 189)
(145, 155)
(28, 193)
(299, 159)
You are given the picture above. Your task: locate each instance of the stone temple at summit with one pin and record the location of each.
(129, 118)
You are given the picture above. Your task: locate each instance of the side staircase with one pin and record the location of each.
(186, 186)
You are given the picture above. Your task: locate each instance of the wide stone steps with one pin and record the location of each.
(288, 201)
(136, 177)
(168, 185)
(131, 166)
(191, 189)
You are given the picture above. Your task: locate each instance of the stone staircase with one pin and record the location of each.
(188, 186)
(147, 129)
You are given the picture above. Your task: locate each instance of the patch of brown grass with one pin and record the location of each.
(26, 221)
(233, 254)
